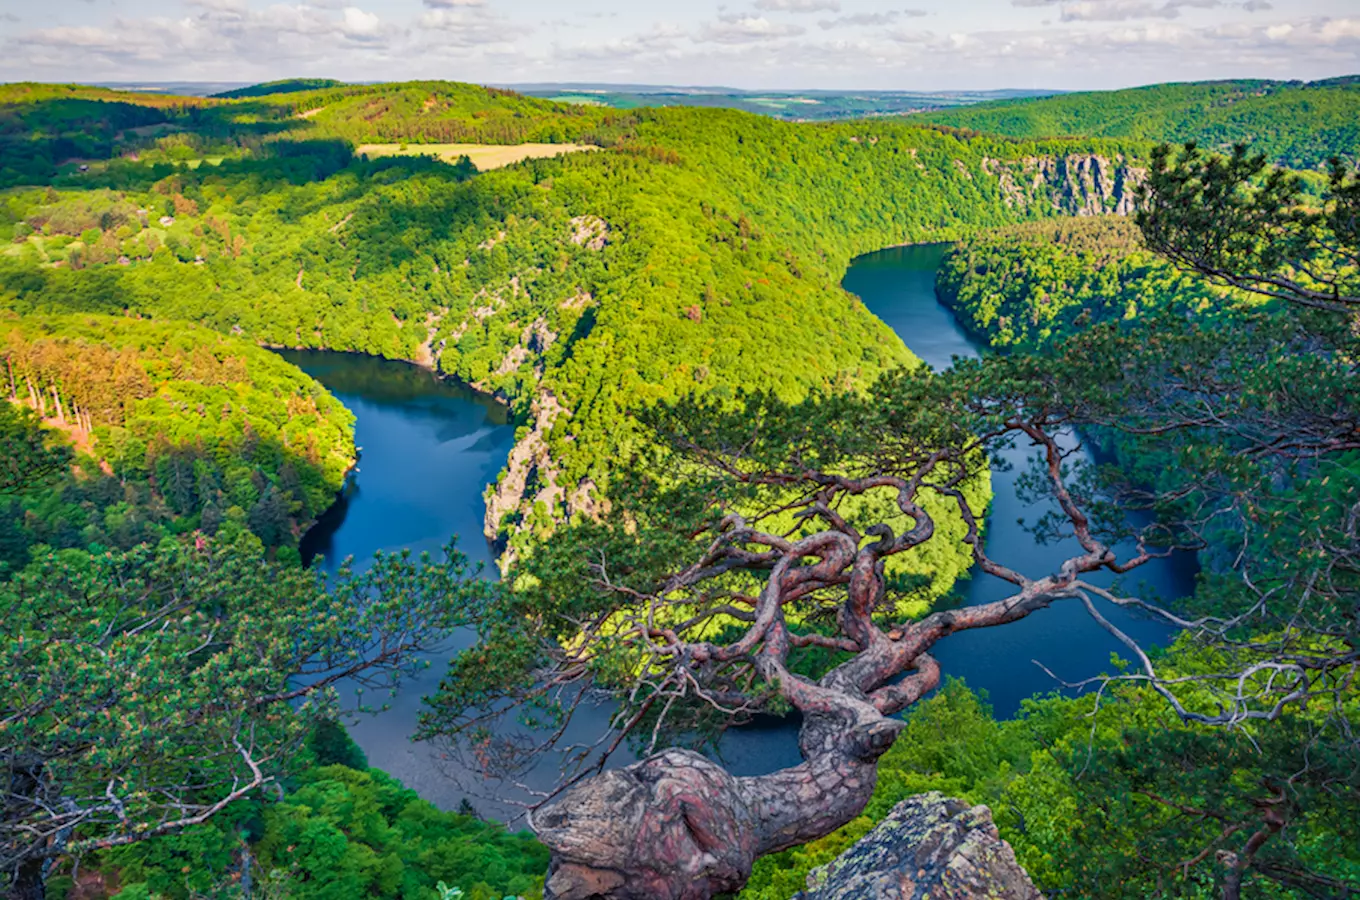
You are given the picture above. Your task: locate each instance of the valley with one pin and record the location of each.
(386, 460)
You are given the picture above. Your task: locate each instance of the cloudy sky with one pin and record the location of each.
(795, 44)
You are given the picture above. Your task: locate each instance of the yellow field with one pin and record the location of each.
(483, 156)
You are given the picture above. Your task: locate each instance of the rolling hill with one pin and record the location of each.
(1295, 123)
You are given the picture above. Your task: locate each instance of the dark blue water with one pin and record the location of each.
(430, 448)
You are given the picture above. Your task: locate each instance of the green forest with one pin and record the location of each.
(1025, 285)
(1297, 124)
(177, 428)
(639, 310)
(341, 830)
(600, 280)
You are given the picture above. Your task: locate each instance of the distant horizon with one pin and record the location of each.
(149, 85)
(604, 86)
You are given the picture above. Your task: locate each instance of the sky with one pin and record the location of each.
(753, 44)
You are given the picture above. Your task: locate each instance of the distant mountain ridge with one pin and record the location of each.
(284, 86)
(789, 105)
(812, 104)
(1295, 123)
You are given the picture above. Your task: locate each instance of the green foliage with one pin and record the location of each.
(338, 832)
(29, 458)
(444, 112)
(145, 691)
(1081, 790)
(701, 254)
(1294, 124)
(177, 425)
(360, 834)
(594, 284)
(1022, 286)
(577, 288)
(1244, 224)
(331, 745)
(44, 126)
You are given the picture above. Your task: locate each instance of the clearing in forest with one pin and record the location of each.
(483, 156)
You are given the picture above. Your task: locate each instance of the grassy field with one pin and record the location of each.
(483, 156)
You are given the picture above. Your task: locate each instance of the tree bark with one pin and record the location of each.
(677, 826)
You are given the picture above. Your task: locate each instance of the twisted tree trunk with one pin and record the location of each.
(678, 826)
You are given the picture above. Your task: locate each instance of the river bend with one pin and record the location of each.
(430, 447)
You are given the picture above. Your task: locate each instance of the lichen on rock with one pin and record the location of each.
(930, 847)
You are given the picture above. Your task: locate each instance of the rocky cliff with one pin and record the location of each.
(1083, 184)
(930, 847)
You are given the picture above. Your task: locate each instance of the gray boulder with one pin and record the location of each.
(930, 847)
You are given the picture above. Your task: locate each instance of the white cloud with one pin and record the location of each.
(359, 24)
(861, 44)
(799, 6)
(861, 20)
(1339, 30)
(745, 29)
(218, 36)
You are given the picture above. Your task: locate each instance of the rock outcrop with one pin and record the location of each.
(930, 847)
(1075, 185)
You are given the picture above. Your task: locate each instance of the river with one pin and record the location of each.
(430, 447)
(898, 286)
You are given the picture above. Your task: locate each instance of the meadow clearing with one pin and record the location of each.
(483, 156)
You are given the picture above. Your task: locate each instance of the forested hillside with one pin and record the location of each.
(575, 288)
(282, 86)
(1295, 124)
(160, 463)
(50, 130)
(178, 429)
(1024, 285)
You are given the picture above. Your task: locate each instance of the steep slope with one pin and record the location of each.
(181, 428)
